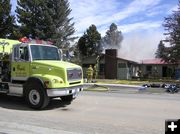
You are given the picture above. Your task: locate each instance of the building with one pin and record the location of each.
(156, 68)
(112, 67)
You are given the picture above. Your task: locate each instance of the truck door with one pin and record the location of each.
(20, 63)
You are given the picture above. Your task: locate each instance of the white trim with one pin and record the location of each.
(64, 91)
(15, 90)
(30, 53)
(30, 44)
(19, 78)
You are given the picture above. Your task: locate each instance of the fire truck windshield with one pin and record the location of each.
(40, 52)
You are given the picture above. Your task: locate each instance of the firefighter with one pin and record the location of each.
(95, 72)
(89, 74)
(139, 73)
(96, 67)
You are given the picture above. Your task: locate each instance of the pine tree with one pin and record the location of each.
(113, 38)
(6, 19)
(47, 20)
(172, 26)
(89, 43)
(161, 50)
(82, 45)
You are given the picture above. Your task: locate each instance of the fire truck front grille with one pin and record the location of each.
(74, 74)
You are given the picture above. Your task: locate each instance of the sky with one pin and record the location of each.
(140, 22)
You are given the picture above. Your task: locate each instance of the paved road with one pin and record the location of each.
(92, 113)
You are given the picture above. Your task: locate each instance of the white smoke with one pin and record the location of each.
(139, 46)
(112, 42)
(112, 39)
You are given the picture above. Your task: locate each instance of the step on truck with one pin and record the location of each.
(33, 69)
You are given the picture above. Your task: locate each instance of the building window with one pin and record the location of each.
(87, 65)
(149, 68)
(101, 67)
(121, 65)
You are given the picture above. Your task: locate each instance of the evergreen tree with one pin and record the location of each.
(82, 45)
(89, 43)
(161, 50)
(47, 20)
(6, 20)
(172, 26)
(113, 38)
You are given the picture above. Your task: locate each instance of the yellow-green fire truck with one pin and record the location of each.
(37, 73)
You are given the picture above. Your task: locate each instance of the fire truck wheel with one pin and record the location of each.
(68, 98)
(36, 96)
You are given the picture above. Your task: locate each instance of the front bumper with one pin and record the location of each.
(57, 92)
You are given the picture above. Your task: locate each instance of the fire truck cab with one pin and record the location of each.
(37, 73)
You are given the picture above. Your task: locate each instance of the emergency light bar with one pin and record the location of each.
(33, 41)
(24, 40)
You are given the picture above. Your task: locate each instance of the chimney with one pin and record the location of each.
(111, 64)
(111, 52)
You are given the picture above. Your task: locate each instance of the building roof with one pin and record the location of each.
(92, 59)
(127, 60)
(118, 58)
(155, 61)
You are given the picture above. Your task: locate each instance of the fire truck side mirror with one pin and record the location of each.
(60, 54)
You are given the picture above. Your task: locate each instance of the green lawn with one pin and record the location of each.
(136, 82)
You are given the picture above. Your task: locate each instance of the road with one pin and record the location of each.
(92, 113)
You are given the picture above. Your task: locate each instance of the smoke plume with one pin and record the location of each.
(138, 46)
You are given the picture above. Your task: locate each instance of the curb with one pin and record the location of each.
(95, 87)
(111, 85)
(97, 90)
(105, 87)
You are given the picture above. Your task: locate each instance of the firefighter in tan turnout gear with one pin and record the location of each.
(89, 74)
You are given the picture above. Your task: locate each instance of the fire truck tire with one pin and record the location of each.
(68, 98)
(36, 96)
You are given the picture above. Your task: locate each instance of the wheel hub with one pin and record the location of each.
(34, 97)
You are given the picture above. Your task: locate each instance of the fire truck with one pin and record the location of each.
(33, 69)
